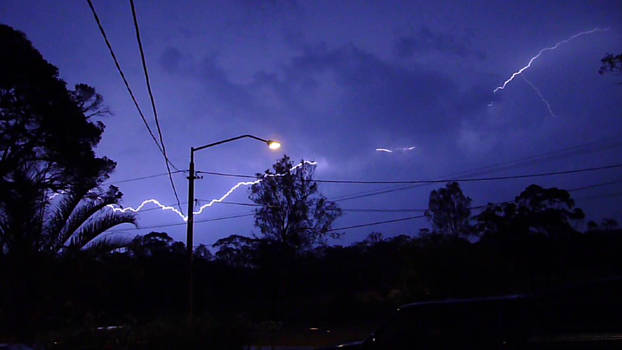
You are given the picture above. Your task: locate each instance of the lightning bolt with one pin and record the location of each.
(210, 203)
(403, 149)
(520, 71)
(535, 88)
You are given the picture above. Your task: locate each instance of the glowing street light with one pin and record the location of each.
(274, 145)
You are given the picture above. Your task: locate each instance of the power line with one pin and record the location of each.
(227, 174)
(605, 195)
(338, 228)
(202, 200)
(493, 167)
(600, 145)
(183, 223)
(385, 209)
(153, 106)
(225, 218)
(492, 178)
(595, 185)
(557, 154)
(547, 156)
(374, 193)
(252, 214)
(142, 177)
(127, 84)
(235, 203)
(473, 207)
(356, 209)
(379, 210)
(422, 216)
(362, 210)
(396, 189)
(371, 210)
(576, 189)
(432, 181)
(376, 223)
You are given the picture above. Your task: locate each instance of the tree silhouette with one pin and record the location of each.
(151, 244)
(81, 217)
(203, 253)
(236, 250)
(536, 211)
(609, 224)
(46, 130)
(548, 210)
(47, 136)
(449, 210)
(36, 224)
(293, 213)
(611, 64)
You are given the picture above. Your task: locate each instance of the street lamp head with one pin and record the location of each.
(274, 145)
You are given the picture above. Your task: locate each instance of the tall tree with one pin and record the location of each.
(292, 212)
(536, 211)
(449, 210)
(47, 136)
(46, 129)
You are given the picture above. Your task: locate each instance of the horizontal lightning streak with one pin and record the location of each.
(391, 150)
(597, 29)
(210, 203)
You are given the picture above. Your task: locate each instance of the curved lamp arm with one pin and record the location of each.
(271, 143)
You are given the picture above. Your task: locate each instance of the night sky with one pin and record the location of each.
(333, 81)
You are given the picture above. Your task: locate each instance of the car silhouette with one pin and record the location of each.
(587, 316)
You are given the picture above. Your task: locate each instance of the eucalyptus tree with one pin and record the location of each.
(449, 210)
(292, 212)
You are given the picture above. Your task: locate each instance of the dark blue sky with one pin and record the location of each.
(334, 81)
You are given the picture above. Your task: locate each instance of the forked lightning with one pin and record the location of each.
(210, 203)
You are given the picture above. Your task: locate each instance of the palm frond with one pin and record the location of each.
(84, 211)
(78, 217)
(55, 227)
(96, 225)
(105, 245)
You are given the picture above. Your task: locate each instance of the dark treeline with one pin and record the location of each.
(63, 282)
(255, 286)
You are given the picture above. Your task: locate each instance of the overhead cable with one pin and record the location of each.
(153, 105)
(127, 84)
